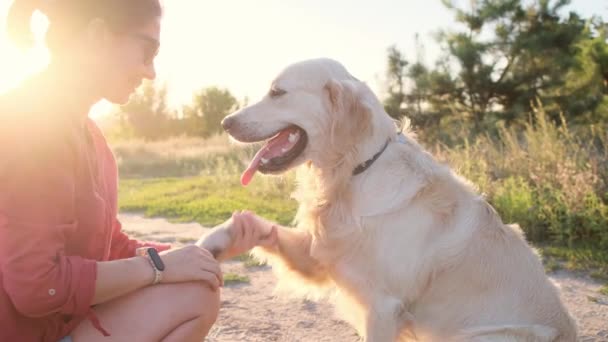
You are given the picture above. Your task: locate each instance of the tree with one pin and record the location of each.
(395, 74)
(583, 98)
(208, 108)
(508, 55)
(416, 91)
(527, 56)
(146, 114)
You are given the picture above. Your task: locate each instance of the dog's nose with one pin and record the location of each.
(227, 123)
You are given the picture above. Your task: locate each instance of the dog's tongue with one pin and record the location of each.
(273, 148)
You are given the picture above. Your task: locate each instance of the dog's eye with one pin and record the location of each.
(276, 92)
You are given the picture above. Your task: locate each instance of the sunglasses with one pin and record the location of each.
(150, 48)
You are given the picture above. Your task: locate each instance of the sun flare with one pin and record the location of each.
(16, 65)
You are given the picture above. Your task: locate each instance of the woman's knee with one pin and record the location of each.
(210, 303)
(166, 308)
(204, 301)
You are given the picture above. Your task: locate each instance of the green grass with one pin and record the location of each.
(544, 177)
(578, 258)
(233, 278)
(249, 260)
(207, 200)
(551, 265)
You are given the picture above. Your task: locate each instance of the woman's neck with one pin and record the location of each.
(69, 90)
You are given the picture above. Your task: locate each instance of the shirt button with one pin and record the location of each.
(52, 292)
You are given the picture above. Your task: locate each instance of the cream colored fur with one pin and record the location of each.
(407, 249)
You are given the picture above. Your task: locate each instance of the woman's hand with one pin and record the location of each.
(249, 230)
(191, 263)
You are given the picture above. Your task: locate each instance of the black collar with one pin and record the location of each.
(365, 165)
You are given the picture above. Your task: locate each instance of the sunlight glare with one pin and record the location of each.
(17, 65)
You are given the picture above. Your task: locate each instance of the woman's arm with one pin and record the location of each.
(119, 277)
(124, 247)
(36, 215)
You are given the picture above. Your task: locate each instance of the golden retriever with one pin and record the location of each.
(406, 247)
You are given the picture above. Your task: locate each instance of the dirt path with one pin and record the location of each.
(251, 313)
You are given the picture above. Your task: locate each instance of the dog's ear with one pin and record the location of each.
(351, 117)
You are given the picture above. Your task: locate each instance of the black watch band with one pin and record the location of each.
(156, 260)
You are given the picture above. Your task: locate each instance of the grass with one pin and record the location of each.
(195, 180)
(207, 200)
(249, 261)
(178, 157)
(551, 265)
(233, 278)
(551, 181)
(578, 258)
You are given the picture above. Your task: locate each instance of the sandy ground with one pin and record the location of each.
(250, 312)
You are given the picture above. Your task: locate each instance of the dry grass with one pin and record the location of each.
(549, 180)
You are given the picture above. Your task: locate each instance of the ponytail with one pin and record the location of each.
(18, 22)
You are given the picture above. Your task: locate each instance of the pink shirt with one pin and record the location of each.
(58, 217)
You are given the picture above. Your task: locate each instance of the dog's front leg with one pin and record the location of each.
(386, 320)
(293, 252)
(218, 240)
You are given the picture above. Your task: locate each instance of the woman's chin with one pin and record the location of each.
(119, 99)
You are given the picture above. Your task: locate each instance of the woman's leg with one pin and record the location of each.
(167, 312)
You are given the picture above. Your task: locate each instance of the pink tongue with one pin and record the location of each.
(272, 149)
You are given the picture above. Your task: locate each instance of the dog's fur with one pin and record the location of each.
(408, 248)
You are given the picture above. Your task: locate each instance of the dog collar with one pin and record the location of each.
(366, 164)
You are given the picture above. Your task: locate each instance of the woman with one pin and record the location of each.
(67, 271)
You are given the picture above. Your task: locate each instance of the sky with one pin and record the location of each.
(242, 44)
